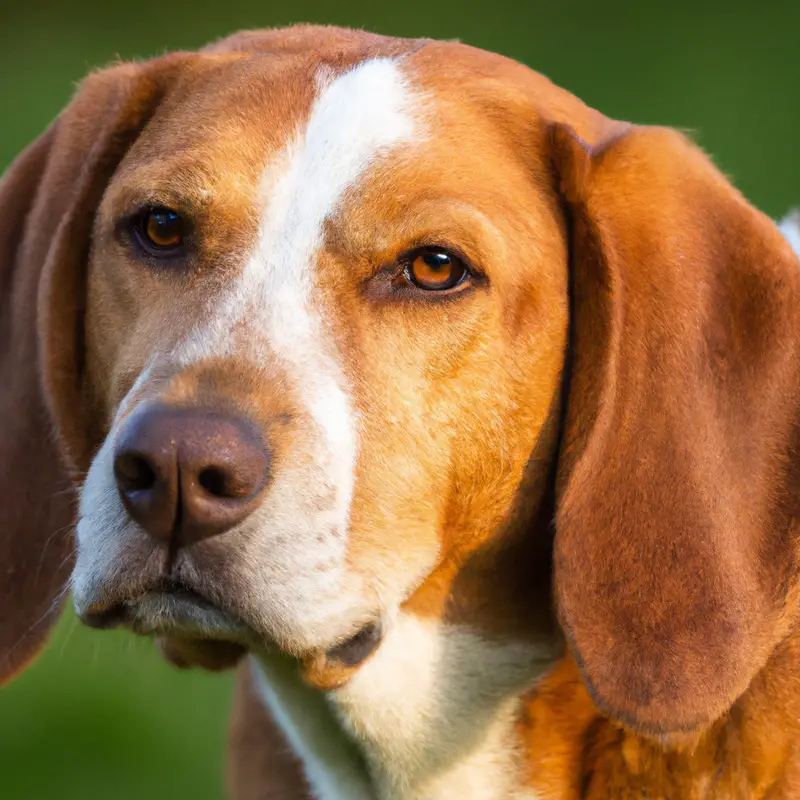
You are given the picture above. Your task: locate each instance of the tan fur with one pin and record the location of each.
(607, 417)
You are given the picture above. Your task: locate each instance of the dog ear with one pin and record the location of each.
(48, 199)
(677, 492)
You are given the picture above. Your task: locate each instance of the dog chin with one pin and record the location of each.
(190, 631)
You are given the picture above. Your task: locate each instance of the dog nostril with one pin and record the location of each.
(189, 473)
(134, 472)
(215, 482)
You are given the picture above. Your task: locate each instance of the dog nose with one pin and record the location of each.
(187, 474)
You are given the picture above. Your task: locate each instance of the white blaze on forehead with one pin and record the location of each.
(356, 117)
(275, 313)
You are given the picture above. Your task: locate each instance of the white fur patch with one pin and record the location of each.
(332, 763)
(357, 116)
(434, 708)
(274, 314)
(790, 228)
(104, 532)
(432, 712)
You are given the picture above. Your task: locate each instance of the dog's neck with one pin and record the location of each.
(430, 715)
(406, 740)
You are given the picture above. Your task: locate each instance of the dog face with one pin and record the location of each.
(297, 310)
(352, 287)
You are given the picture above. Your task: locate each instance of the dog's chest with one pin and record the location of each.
(429, 716)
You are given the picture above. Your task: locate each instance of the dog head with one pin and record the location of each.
(329, 325)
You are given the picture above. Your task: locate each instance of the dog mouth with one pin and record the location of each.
(192, 630)
(171, 608)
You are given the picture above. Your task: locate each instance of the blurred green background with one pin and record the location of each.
(100, 716)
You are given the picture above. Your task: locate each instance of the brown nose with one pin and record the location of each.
(188, 473)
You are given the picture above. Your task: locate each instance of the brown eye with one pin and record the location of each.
(161, 231)
(434, 269)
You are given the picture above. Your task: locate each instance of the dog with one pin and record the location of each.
(462, 417)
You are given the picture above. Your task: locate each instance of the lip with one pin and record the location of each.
(170, 609)
(186, 612)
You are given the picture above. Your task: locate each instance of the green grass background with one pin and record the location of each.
(100, 715)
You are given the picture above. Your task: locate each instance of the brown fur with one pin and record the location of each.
(670, 432)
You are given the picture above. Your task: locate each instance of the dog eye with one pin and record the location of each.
(160, 231)
(434, 269)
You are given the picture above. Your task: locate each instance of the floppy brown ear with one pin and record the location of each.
(676, 536)
(48, 199)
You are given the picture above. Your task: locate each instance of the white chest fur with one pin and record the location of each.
(790, 227)
(429, 716)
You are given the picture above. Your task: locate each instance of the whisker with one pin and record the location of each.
(57, 532)
(68, 636)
